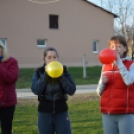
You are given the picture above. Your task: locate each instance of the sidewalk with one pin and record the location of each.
(26, 93)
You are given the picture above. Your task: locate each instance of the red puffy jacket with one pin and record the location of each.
(117, 98)
(9, 71)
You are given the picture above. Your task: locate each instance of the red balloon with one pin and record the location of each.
(107, 56)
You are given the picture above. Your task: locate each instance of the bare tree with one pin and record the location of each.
(124, 24)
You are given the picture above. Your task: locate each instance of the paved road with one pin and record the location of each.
(26, 93)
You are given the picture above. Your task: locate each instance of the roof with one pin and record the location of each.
(115, 15)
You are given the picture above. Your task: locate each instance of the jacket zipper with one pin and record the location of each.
(111, 89)
(53, 97)
(127, 100)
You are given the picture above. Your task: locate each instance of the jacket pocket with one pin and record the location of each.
(3, 98)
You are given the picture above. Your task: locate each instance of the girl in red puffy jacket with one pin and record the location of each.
(8, 77)
(116, 90)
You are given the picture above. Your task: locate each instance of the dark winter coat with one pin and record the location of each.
(52, 92)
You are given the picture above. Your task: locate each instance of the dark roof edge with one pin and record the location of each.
(115, 15)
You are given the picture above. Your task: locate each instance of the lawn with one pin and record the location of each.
(84, 109)
(84, 113)
(93, 74)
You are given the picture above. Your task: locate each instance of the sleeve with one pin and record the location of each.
(10, 74)
(67, 82)
(128, 76)
(39, 81)
(101, 86)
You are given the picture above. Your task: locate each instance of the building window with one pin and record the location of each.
(41, 42)
(95, 46)
(53, 21)
(4, 40)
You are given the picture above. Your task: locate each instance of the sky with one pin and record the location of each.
(97, 2)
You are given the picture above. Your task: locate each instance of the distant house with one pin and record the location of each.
(74, 27)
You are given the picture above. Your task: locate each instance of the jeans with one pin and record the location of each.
(118, 124)
(51, 123)
(6, 118)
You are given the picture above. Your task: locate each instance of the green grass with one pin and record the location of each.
(83, 109)
(93, 74)
(24, 80)
(84, 114)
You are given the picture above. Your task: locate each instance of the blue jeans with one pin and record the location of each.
(51, 123)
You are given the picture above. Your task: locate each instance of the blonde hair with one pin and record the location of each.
(4, 50)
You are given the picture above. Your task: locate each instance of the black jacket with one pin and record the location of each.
(52, 90)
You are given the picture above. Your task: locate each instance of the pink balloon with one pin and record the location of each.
(107, 56)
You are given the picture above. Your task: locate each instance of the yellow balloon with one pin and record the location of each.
(54, 69)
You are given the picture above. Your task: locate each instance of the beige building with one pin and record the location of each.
(74, 27)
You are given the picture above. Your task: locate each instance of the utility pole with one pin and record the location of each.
(84, 66)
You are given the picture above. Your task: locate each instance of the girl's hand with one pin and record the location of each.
(104, 79)
(117, 56)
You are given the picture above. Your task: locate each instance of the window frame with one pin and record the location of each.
(41, 46)
(96, 43)
(56, 19)
(5, 41)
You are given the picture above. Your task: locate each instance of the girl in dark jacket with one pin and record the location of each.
(52, 95)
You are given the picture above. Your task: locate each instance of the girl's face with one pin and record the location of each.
(119, 48)
(51, 56)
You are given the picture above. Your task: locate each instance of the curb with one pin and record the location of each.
(91, 86)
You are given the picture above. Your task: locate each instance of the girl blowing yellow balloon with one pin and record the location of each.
(53, 83)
